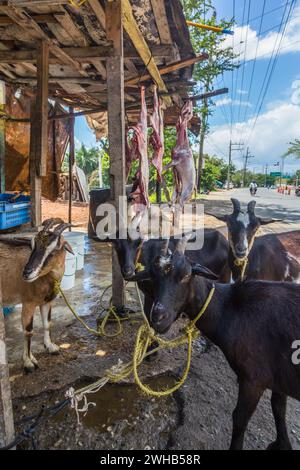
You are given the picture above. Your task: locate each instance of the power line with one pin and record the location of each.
(243, 71)
(239, 56)
(264, 93)
(255, 59)
(233, 44)
(269, 12)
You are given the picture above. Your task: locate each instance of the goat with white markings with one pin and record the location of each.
(27, 276)
(272, 257)
(254, 323)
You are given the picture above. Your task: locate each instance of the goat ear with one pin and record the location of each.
(66, 246)
(199, 270)
(251, 207)
(269, 221)
(140, 276)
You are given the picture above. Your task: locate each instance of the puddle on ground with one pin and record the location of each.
(124, 418)
(115, 403)
(124, 403)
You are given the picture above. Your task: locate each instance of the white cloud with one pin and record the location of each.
(242, 92)
(273, 131)
(77, 143)
(226, 101)
(290, 42)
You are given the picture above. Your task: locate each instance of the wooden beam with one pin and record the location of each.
(20, 17)
(169, 68)
(2, 138)
(6, 411)
(133, 31)
(5, 21)
(99, 12)
(86, 54)
(39, 135)
(159, 10)
(116, 129)
(211, 94)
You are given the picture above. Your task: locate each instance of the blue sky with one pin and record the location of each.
(279, 119)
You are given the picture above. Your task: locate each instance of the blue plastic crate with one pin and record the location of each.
(15, 213)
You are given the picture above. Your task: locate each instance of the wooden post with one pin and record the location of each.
(2, 139)
(6, 412)
(39, 134)
(71, 161)
(116, 128)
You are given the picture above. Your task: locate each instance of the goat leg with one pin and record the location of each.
(46, 311)
(30, 362)
(248, 399)
(282, 442)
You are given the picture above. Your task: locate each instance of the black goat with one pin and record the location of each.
(214, 255)
(255, 324)
(273, 257)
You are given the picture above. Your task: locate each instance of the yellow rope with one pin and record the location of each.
(144, 338)
(241, 263)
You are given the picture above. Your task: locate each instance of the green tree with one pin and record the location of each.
(220, 60)
(294, 149)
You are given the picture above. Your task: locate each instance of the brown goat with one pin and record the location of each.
(27, 276)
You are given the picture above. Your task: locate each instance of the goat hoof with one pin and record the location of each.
(30, 366)
(52, 349)
(280, 445)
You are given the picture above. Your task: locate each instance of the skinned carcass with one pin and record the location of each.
(157, 136)
(131, 152)
(182, 159)
(139, 196)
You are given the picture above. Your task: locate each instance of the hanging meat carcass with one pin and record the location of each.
(139, 196)
(157, 136)
(131, 152)
(182, 159)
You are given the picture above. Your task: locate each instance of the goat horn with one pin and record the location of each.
(182, 244)
(61, 228)
(236, 205)
(164, 247)
(49, 223)
(251, 207)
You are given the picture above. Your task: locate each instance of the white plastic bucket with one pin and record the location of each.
(68, 281)
(76, 240)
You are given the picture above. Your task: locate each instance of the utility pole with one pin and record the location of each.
(233, 147)
(266, 174)
(247, 158)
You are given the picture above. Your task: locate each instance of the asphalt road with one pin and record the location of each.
(269, 204)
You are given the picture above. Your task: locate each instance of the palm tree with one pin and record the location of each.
(294, 149)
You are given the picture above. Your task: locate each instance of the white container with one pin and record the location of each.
(76, 240)
(68, 281)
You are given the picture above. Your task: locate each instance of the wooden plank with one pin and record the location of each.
(169, 68)
(34, 30)
(159, 10)
(5, 21)
(99, 67)
(6, 411)
(85, 54)
(39, 135)
(116, 128)
(99, 12)
(2, 138)
(132, 29)
(74, 32)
